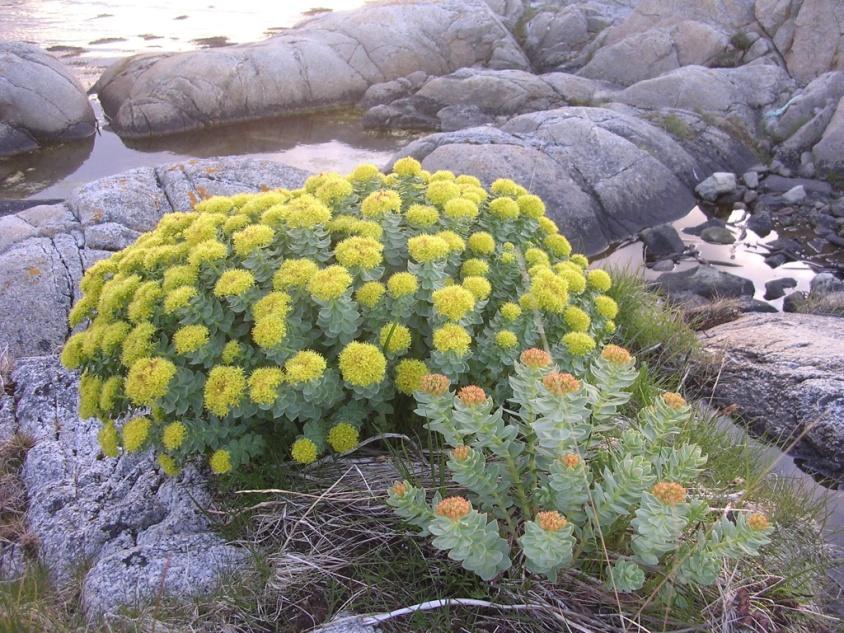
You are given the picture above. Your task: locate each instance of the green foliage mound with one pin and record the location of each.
(559, 478)
(308, 317)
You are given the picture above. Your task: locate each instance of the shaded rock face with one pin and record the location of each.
(40, 101)
(326, 61)
(706, 282)
(604, 174)
(785, 372)
(44, 250)
(136, 532)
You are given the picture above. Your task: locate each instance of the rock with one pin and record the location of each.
(663, 266)
(700, 228)
(389, 91)
(328, 60)
(750, 179)
(554, 36)
(825, 283)
(829, 160)
(802, 120)
(761, 222)
(808, 35)
(794, 302)
(780, 184)
(12, 561)
(510, 11)
(661, 242)
(14, 229)
(794, 195)
(41, 101)
(784, 373)
(704, 281)
(344, 622)
(717, 235)
(134, 532)
(776, 288)
(718, 184)
(807, 166)
(458, 117)
(408, 113)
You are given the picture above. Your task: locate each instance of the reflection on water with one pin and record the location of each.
(88, 34)
(744, 258)
(323, 142)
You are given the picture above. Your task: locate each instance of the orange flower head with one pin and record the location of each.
(571, 461)
(561, 384)
(673, 400)
(434, 384)
(454, 508)
(472, 396)
(616, 354)
(461, 453)
(551, 521)
(535, 358)
(669, 493)
(758, 521)
(399, 489)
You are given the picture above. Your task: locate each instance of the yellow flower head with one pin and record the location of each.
(179, 298)
(207, 252)
(461, 209)
(606, 306)
(434, 384)
(231, 352)
(674, 400)
(548, 291)
(144, 301)
(168, 465)
(334, 189)
(380, 203)
(305, 366)
(329, 283)
(506, 339)
(422, 217)
(481, 243)
(370, 293)
(474, 268)
(137, 343)
(407, 167)
(269, 331)
(190, 338)
(113, 336)
(252, 238)
(535, 358)
(402, 285)
(442, 174)
(472, 395)
(264, 383)
(110, 392)
(224, 389)
(452, 338)
(81, 310)
(478, 286)
(599, 279)
(148, 380)
(408, 375)
(306, 212)
(504, 208)
(116, 294)
(179, 276)
(273, 304)
(362, 364)
(548, 226)
(536, 257)
(510, 311)
(365, 173)
(454, 508)
(394, 338)
(531, 206)
(72, 352)
(505, 187)
(579, 260)
(233, 283)
(204, 227)
(453, 302)
(220, 462)
(578, 343)
(89, 395)
(669, 493)
(214, 204)
(577, 319)
(108, 439)
(557, 245)
(575, 280)
(294, 273)
(454, 241)
(441, 191)
(758, 521)
(304, 451)
(235, 223)
(427, 248)
(174, 435)
(343, 437)
(361, 252)
(135, 434)
(551, 521)
(561, 384)
(616, 354)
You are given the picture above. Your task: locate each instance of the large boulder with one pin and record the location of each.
(135, 535)
(785, 373)
(704, 282)
(45, 249)
(604, 174)
(40, 100)
(828, 153)
(326, 61)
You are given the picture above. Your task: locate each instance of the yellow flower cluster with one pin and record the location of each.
(427, 248)
(343, 437)
(452, 338)
(305, 366)
(362, 364)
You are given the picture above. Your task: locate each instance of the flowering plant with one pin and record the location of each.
(563, 476)
(308, 317)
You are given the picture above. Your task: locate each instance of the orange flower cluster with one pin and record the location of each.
(454, 508)
(472, 396)
(561, 384)
(551, 521)
(434, 384)
(616, 354)
(669, 493)
(535, 358)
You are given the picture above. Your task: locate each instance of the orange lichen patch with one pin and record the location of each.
(561, 384)
(399, 489)
(263, 188)
(472, 395)
(192, 199)
(33, 271)
(758, 521)
(461, 453)
(535, 358)
(669, 493)
(551, 521)
(616, 354)
(434, 384)
(203, 192)
(454, 508)
(673, 400)
(211, 170)
(571, 461)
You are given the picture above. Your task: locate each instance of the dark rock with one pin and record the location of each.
(663, 266)
(408, 113)
(700, 228)
(705, 281)
(458, 117)
(776, 260)
(748, 305)
(778, 184)
(794, 302)
(776, 288)
(716, 235)
(661, 242)
(761, 222)
(826, 283)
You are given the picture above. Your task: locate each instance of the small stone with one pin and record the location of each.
(718, 184)
(826, 283)
(795, 194)
(807, 166)
(776, 288)
(761, 222)
(661, 242)
(715, 235)
(707, 282)
(793, 302)
(751, 179)
(663, 266)
(776, 260)
(700, 228)
(750, 196)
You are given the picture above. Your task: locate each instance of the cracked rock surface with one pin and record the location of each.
(41, 102)
(328, 60)
(131, 531)
(45, 249)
